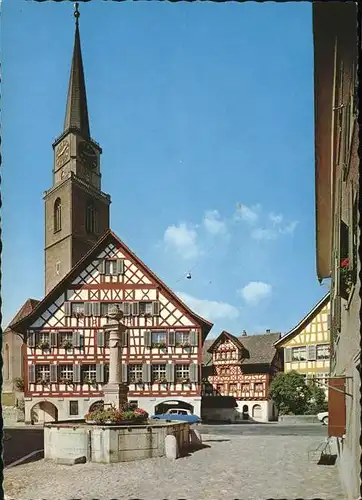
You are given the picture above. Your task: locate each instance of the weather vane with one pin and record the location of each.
(76, 12)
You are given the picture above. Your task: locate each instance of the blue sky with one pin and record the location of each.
(204, 112)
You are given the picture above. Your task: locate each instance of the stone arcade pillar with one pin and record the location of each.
(115, 391)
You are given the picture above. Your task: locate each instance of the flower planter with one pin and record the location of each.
(125, 423)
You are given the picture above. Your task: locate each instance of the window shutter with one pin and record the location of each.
(124, 373)
(102, 266)
(31, 374)
(100, 338)
(135, 309)
(147, 338)
(194, 340)
(311, 352)
(126, 308)
(120, 266)
(100, 373)
(125, 337)
(31, 339)
(76, 373)
(146, 373)
(87, 308)
(96, 308)
(76, 339)
(170, 372)
(194, 372)
(336, 407)
(53, 373)
(156, 308)
(171, 338)
(81, 341)
(53, 339)
(67, 309)
(288, 355)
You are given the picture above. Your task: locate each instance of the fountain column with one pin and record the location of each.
(115, 391)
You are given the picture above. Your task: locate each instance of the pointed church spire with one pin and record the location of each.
(76, 115)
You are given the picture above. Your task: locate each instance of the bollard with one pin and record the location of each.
(171, 448)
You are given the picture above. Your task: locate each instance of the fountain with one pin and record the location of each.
(116, 432)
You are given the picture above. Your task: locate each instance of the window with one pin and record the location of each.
(42, 373)
(245, 387)
(91, 218)
(73, 408)
(135, 373)
(182, 338)
(89, 374)
(323, 351)
(106, 307)
(258, 387)
(65, 372)
(233, 388)
(57, 268)
(145, 307)
(110, 266)
(43, 338)
(299, 353)
(182, 373)
(158, 373)
(66, 340)
(57, 215)
(77, 308)
(158, 338)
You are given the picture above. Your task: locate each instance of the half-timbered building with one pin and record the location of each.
(307, 346)
(87, 269)
(242, 369)
(67, 356)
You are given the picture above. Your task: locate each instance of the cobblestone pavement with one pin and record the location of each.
(231, 467)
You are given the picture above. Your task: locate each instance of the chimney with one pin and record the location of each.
(244, 334)
(267, 330)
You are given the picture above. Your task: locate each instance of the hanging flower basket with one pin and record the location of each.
(44, 345)
(67, 344)
(126, 415)
(346, 275)
(43, 381)
(185, 345)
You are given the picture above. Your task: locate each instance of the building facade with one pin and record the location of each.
(67, 354)
(241, 369)
(307, 346)
(338, 234)
(64, 353)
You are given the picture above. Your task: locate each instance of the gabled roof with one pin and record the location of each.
(108, 237)
(229, 336)
(260, 348)
(25, 309)
(304, 322)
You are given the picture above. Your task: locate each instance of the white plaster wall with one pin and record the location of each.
(250, 404)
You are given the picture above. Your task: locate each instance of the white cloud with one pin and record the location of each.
(247, 214)
(213, 223)
(182, 238)
(276, 219)
(289, 228)
(264, 234)
(255, 291)
(210, 309)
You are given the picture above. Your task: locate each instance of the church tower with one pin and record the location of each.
(76, 209)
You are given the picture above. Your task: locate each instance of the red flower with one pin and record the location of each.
(345, 262)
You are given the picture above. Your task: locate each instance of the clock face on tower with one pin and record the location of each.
(62, 154)
(87, 155)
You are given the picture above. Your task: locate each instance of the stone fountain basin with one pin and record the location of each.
(67, 442)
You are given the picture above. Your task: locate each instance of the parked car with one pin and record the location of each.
(179, 414)
(323, 417)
